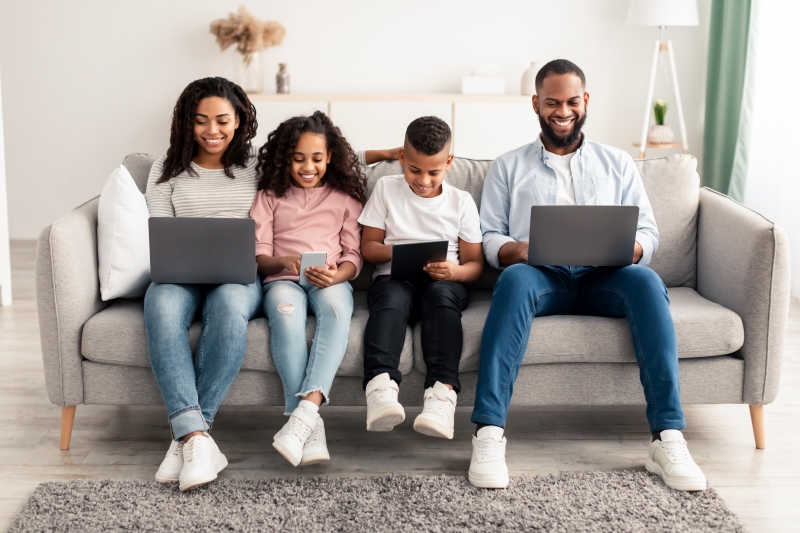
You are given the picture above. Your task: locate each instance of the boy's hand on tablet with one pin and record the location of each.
(323, 277)
(292, 264)
(446, 271)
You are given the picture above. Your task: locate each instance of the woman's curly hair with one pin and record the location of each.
(182, 144)
(275, 157)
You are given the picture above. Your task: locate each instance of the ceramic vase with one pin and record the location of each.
(249, 74)
(282, 79)
(660, 134)
(528, 87)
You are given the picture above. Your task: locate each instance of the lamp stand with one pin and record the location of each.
(643, 145)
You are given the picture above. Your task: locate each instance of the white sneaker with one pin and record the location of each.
(487, 468)
(202, 461)
(437, 416)
(670, 459)
(384, 412)
(316, 448)
(172, 464)
(292, 437)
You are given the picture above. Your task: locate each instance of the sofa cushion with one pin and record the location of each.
(139, 167)
(703, 329)
(117, 335)
(673, 187)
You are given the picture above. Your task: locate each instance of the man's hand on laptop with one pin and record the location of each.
(637, 252)
(512, 253)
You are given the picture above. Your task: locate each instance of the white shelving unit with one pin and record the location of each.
(484, 126)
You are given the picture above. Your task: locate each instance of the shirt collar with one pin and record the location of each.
(539, 149)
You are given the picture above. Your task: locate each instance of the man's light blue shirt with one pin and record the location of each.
(521, 178)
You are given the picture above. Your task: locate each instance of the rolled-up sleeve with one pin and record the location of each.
(633, 193)
(262, 214)
(350, 236)
(495, 206)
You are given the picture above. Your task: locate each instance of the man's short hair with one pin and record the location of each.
(557, 67)
(428, 135)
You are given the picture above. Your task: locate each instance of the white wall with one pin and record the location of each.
(86, 82)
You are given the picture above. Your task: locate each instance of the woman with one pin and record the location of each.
(209, 171)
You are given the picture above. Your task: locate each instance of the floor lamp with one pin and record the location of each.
(662, 13)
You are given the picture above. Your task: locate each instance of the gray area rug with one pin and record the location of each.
(585, 501)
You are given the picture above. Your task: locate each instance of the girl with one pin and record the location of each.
(209, 171)
(310, 196)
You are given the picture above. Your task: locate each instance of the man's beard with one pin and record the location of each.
(562, 142)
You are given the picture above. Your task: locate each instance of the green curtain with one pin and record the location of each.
(727, 59)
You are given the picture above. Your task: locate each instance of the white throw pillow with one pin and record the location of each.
(123, 245)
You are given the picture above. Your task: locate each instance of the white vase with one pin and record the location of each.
(528, 87)
(660, 134)
(249, 76)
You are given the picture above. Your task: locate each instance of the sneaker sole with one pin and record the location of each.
(676, 484)
(483, 481)
(287, 454)
(315, 456)
(168, 478)
(432, 429)
(387, 418)
(219, 465)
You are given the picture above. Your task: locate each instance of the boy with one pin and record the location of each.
(418, 206)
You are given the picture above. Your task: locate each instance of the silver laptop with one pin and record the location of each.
(582, 235)
(202, 250)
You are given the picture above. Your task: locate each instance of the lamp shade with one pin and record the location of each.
(662, 13)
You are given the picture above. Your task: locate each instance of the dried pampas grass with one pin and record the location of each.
(249, 34)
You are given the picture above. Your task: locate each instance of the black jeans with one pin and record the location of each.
(392, 305)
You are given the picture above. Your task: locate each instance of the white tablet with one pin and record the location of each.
(311, 259)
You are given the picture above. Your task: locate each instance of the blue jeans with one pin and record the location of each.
(634, 292)
(302, 371)
(194, 387)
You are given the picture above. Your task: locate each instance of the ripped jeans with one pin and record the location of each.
(286, 304)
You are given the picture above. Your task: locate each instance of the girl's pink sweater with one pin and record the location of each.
(322, 219)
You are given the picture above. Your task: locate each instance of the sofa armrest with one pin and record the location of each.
(743, 264)
(67, 295)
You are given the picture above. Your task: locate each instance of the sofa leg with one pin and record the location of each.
(757, 417)
(67, 418)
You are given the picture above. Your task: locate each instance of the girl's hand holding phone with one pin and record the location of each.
(323, 277)
(444, 271)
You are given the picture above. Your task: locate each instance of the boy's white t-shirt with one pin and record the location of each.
(406, 217)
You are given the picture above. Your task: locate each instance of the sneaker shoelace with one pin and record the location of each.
(299, 429)
(178, 449)
(316, 436)
(437, 405)
(491, 450)
(677, 451)
(193, 448)
(385, 394)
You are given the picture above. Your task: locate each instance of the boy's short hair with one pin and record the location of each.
(557, 67)
(428, 135)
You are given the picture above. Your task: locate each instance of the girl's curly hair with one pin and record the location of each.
(275, 157)
(182, 144)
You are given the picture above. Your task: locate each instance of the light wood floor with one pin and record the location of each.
(762, 487)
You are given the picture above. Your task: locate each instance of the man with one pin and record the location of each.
(562, 168)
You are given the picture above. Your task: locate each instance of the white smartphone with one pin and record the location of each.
(311, 259)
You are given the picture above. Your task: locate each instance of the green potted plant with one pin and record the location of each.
(660, 133)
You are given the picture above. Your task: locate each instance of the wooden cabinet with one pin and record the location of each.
(484, 126)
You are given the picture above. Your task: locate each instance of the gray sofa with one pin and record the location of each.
(727, 269)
